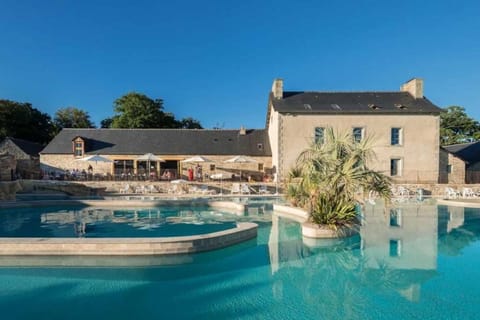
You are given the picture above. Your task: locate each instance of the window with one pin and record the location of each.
(259, 146)
(319, 135)
(395, 248)
(212, 167)
(260, 167)
(395, 217)
(396, 137)
(395, 167)
(449, 168)
(357, 134)
(78, 147)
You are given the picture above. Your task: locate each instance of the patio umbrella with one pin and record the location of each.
(148, 157)
(196, 159)
(94, 158)
(241, 159)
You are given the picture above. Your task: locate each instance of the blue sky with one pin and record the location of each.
(215, 60)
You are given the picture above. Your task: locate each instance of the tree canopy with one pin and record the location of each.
(136, 110)
(21, 120)
(72, 117)
(457, 127)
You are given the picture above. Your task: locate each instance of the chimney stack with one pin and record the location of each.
(243, 131)
(414, 87)
(277, 88)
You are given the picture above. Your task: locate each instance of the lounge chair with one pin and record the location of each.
(403, 192)
(451, 193)
(235, 188)
(263, 189)
(245, 189)
(125, 189)
(151, 189)
(468, 193)
(140, 189)
(205, 190)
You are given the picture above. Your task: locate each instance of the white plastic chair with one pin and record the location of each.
(468, 193)
(125, 189)
(245, 189)
(450, 193)
(263, 189)
(235, 188)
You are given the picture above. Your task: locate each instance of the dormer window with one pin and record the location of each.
(401, 106)
(78, 147)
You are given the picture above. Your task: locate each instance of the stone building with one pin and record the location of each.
(125, 146)
(26, 154)
(404, 125)
(460, 163)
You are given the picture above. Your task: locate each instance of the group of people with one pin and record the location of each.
(195, 173)
(76, 174)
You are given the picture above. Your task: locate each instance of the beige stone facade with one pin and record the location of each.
(63, 162)
(411, 157)
(452, 168)
(418, 152)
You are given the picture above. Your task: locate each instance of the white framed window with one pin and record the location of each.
(395, 167)
(357, 134)
(396, 137)
(78, 147)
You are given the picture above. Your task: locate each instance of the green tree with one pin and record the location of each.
(106, 123)
(457, 127)
(329, 175)
(21, 120)
(72, 117)
(190, 123)
(136, 110)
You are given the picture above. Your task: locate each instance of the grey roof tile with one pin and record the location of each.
(29, 147)
(353, 102)
(163, 141)
(469, 152)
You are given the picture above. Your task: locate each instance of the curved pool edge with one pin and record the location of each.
(467, 203)
(127, 246)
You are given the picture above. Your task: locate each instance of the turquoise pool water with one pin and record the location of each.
(415, 262)
(88, 222)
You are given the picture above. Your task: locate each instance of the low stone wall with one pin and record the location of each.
(127, 246)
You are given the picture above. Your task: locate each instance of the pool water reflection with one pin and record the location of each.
(110, 223)
(411, 261)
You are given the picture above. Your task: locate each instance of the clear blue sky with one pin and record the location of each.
(215, 60)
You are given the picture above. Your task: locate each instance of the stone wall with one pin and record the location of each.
(62, 162)
(418, 153)
(7, 167)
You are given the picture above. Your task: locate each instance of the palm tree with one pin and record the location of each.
(331, 178)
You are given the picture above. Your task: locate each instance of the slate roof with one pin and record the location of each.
(468, 152)
(29, 147)
(163, 141)
(353, 103)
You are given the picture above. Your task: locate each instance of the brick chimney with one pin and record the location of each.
(277, 88)
(414, 87)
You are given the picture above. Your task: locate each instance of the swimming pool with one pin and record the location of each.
(415, 261)
(92, 222)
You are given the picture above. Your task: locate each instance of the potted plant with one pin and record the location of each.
(330, 179)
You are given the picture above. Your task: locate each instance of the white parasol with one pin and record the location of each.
(241, 159)
(148, 157)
